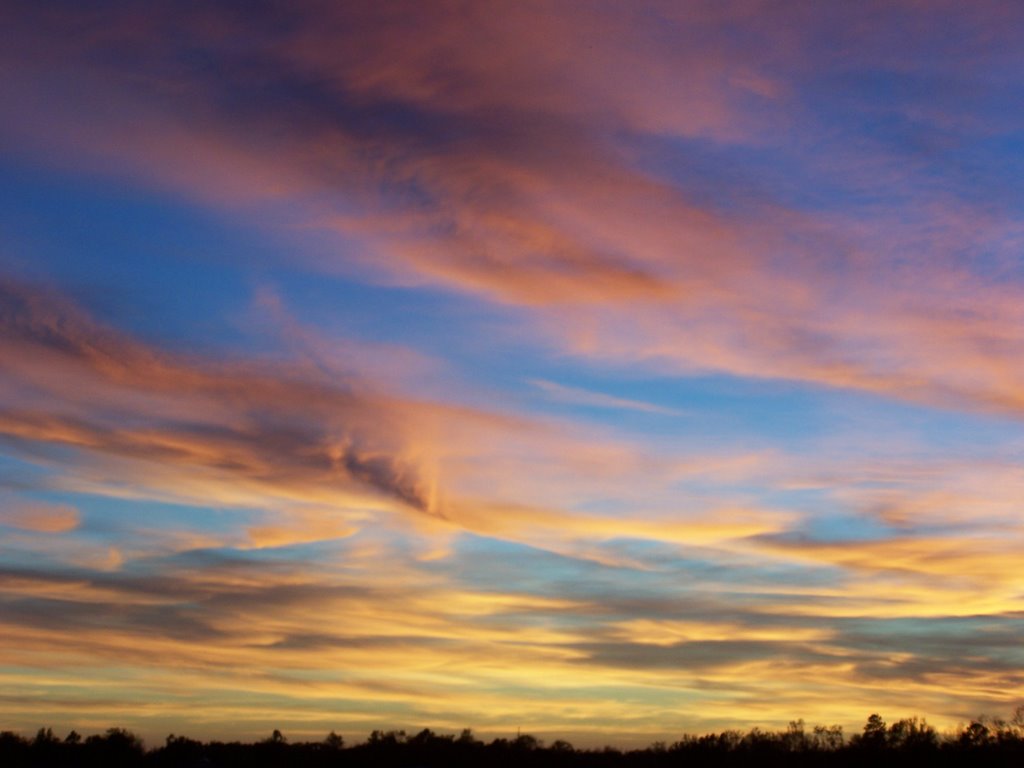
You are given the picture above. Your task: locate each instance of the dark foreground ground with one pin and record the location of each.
(906, 743)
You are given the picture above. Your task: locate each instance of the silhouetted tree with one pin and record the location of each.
(179, 750)
(795, 739)
(386, 738)
(975, 735)
(912, 734)
(117, 747)
(828, 738)
(14, 750)
(1017, 720)
(992, 742)
(561, 745)
(46, 748)
(873, 735)
(45, 737)
(333, 741)
(524, 742)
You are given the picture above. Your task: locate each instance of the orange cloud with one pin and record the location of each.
(37, 516)
(297, 526)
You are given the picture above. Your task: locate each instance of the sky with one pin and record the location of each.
(607, 371)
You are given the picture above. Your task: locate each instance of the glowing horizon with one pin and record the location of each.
(606, 371)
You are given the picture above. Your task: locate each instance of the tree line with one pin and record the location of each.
(993, 741)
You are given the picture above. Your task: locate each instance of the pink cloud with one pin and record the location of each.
(36, 516)
(487, 157)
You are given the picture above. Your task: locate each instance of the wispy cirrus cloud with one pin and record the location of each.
(709, 600)
(458, 163)
(818, 194)
(243, 433)
(578, 396)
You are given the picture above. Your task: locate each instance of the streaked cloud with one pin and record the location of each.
(341, 497)
(443, 172)
(583, 397)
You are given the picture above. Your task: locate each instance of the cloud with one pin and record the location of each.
(579, 396)
(322, 452)
(82, 386)
(395, 636)
(324, 458)
(37, 516)
(297, 526)
(690, 188)
(499, 155)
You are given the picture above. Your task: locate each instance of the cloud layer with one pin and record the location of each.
(606, 371)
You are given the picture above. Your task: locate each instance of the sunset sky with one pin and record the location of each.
(604, 370)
